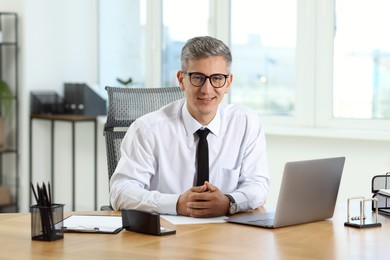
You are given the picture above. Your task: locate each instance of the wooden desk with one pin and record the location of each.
(320, 240)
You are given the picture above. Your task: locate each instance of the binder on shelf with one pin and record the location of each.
(80, 99)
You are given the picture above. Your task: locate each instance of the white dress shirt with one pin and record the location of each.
(158, 159)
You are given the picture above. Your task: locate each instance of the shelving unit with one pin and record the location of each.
(73, 120)
(9, 170)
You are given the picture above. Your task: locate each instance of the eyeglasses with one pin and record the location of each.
(198, 79)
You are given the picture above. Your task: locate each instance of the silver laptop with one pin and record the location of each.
(308, 193)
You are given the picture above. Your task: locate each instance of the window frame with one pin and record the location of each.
(153, 42)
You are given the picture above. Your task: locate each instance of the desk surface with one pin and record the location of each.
(327, 239)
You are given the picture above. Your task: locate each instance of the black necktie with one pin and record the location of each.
(203, 156)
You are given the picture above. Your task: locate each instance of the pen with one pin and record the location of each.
(49, 192)
(47, 203)
(35, 194)
(46, 200)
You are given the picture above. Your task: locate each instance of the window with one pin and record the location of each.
(122, 43)
(263, 42)
(178, 27)
(361, 77)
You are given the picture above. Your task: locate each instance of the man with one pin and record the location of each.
(158, 172)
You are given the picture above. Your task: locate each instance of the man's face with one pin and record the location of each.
(203, 102)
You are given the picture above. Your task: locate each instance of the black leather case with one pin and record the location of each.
(144, 222)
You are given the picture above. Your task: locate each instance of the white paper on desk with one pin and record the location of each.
(181, 220)
(385, 192)
(93, 223)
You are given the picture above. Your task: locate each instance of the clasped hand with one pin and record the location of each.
(203, 202)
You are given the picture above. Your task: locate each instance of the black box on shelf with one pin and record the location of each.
(80, 99)
(46, 102)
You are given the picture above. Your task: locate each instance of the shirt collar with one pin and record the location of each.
(191, 125)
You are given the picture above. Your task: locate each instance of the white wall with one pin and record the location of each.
(61, 46)
(364, 159)
(58, 43)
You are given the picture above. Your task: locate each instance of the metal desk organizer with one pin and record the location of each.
(381, 182)
(361, 221)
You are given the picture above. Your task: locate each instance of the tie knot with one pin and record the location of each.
(202, 133)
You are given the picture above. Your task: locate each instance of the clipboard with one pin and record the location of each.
(101, 224)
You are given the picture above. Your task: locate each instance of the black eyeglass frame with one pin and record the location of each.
(189, 74)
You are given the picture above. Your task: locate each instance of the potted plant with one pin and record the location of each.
(6, 97)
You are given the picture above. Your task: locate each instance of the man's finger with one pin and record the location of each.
(210, 187)
(202, 188)
(198, 205)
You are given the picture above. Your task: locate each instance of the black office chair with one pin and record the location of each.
(125, 105)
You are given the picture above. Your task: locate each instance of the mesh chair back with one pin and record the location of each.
(125, 105)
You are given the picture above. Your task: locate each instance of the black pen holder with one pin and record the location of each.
(47, 222)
